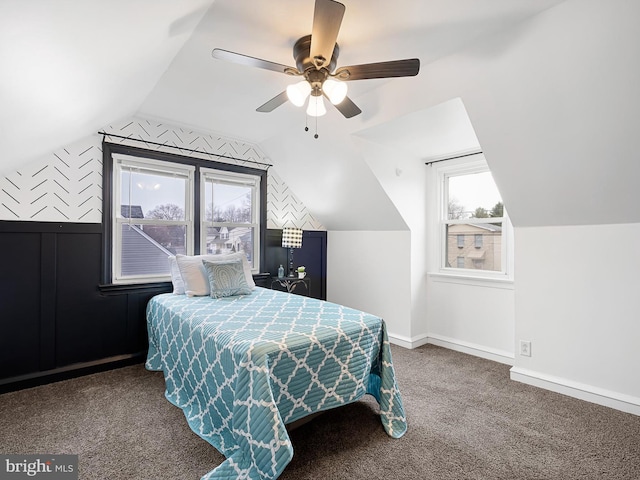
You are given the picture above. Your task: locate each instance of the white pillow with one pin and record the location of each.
(194, 275)
(176, 278)
(247, 271)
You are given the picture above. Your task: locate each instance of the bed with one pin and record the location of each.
(244, 367)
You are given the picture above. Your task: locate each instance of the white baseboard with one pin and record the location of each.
(600, 396)
(453, 344)
(407, 342)
(500, 356)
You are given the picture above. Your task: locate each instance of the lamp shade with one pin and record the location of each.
(316, 106)
(292, 237)
(335, 91)
(298, 92)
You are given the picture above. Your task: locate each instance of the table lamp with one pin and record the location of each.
(291, 238)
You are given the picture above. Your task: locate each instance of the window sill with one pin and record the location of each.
(122, 288)
(478, 281)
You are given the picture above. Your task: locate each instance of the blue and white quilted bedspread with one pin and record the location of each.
(242, 367)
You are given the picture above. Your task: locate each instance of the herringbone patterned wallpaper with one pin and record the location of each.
(284, 209)
(67, 185)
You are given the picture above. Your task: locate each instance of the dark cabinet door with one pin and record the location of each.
(313, 255)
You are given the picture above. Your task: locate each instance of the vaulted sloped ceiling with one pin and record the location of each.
(72, 66)
(69, 67)
(198, 90)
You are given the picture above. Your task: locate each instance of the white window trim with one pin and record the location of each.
(151, 166)
(438, 271)
(232, 178)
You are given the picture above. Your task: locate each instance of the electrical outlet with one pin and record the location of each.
(525, 348)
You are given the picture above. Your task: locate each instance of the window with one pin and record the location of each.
(231, 213)
(470, 206)
(152, 217)
(157, 204)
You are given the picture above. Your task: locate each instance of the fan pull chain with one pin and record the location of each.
(306, 125)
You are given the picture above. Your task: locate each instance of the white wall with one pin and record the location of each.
(475, 316)
(395, 152)
(554, 104)
(578, 302)
(367, 270)
(332, 180)
(472, 318)
(402, 176)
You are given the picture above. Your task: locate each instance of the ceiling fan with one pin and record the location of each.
(316, 57)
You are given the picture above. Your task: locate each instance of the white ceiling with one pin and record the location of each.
(69, 67)
(72, 67)
(215, 95)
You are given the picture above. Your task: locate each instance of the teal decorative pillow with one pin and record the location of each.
(226, 278)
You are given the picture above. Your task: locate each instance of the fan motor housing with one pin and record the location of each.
(301, 54)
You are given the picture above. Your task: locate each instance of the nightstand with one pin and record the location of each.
(291, 285)
(262, 280)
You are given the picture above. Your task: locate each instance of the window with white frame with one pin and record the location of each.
(474, 228)
(158, 204)
(230, 218)
(152, 217)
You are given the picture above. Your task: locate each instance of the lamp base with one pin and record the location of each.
(291, 275)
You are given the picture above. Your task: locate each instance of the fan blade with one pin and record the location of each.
(274, 103)
(248, 61)
(347, 108)
(327, 18)
(395, 68)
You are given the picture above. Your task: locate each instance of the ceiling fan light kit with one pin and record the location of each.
(321, 79)
(316, 106)
(298, 92)
(335, 91)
